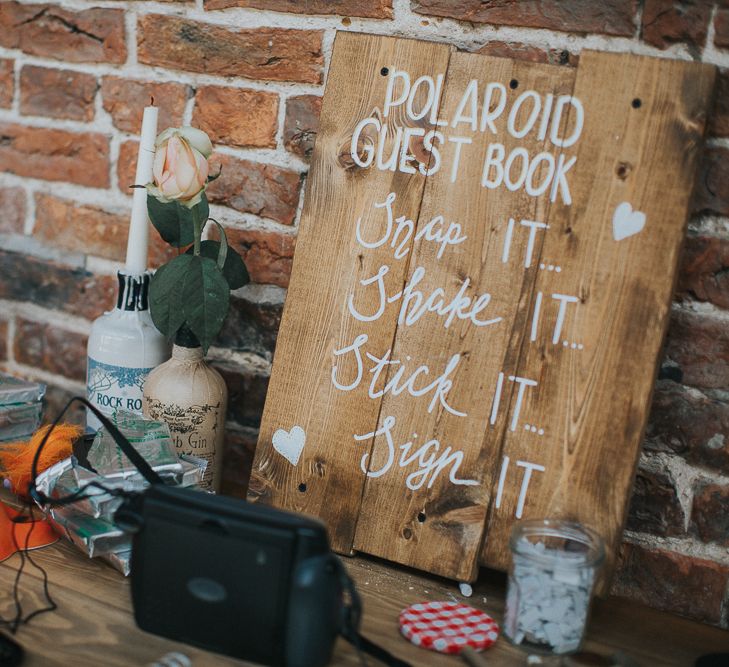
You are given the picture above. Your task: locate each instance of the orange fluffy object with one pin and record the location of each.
(16, 458)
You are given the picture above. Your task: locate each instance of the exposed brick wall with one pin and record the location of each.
(74, 79)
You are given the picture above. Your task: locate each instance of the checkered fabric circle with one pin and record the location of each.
(447, 627)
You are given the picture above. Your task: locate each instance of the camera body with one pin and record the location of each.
(241, 579)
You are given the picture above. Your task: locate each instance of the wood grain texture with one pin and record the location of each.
(644, 122)
(539, 418)
(94, 625)
(391, 524)
(328, 267)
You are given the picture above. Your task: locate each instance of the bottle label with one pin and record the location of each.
(111, 387)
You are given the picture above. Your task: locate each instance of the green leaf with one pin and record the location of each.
(205, 298)
(172, 221)
(223, 250)
(166, 295)
(234, 270)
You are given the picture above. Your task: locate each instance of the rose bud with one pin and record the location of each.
(181, 165)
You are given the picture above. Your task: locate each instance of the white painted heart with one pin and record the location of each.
(290, 444)
(626, 221)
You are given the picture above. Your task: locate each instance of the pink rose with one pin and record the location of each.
(181, 165)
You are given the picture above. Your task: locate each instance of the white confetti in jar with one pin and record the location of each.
(552, 572)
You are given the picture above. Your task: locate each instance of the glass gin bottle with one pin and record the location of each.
(124, 346)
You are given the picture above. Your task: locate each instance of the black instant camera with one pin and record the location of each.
(240, 579)
(246, 580)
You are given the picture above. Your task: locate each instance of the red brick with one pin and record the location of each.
(3, 340)
(55, 155)
(699, 344)
(57, 93)
(375, 9)
(126, 165)
(55, 400)
(687, 423)
(237, 117)
(712, 182)
(90, 230)
(268, 255)
(246, 393)
(12, 205)
(672, 582)
(719, 117)
(612, 18)
(54, 350)
(654, 506)
(87, 36)
(240, 447)
(7, 82)
(255, 187)
(251, 326)
(532, 54)
(271, 54)
(52, 285)
(704, 270)
(124, 100)
(710, 513)
(301, 124)
(721, 28)
(667, 22)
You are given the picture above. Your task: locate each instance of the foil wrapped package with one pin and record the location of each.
(14, 390)
(95, 537)
(120, 560)
(94, 502)
(150, 438)
(101, 505)
(89, 521)
(19, 421)
(46, 480)
(20, 407)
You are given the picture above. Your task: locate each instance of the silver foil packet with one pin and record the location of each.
(14, 390)
(95, 537)
(150, 438)
(120, 560)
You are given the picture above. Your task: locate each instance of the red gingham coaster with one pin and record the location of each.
(447, 627)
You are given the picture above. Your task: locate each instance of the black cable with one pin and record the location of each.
(24, 554)
(42, 499)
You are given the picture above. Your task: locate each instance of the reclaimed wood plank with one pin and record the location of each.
(310, 418)
(617, 247)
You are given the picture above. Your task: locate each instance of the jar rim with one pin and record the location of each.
(594, 555)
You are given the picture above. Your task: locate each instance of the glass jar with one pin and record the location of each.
(552, 572)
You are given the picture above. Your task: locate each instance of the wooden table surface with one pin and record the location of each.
(94, 626)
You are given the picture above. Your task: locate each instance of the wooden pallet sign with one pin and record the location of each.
(480, 291)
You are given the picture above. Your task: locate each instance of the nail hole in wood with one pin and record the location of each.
(302, 487)
(513, 84)
(636, 103)
(421, 517)
(384, 71)
(407, 533)
(622, 171)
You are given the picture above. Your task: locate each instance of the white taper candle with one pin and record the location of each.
(139, 225)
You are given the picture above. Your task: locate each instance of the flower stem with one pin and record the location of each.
(197, 229)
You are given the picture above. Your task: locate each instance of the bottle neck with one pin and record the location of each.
(187, 354)
(133, 292)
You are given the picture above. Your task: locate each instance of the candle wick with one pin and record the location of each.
(151, 100)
